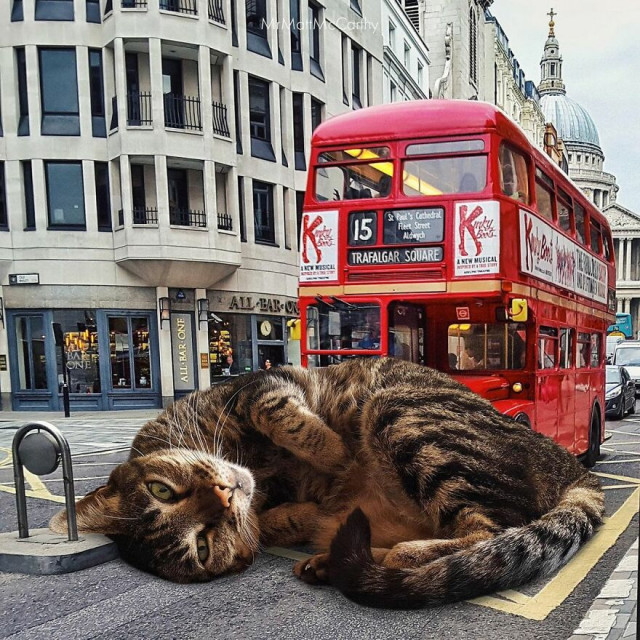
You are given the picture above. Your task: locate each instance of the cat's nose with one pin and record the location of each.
(224, 494)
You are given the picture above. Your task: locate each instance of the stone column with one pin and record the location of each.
(627, 266)
(620, 262)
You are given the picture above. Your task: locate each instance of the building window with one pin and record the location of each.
(299, 210)
(473, 46)
(243, 224)
(93, 11)
(54, 10)
(59, 92)
(420, 74)
(298, 131)
(234, 24)
(65, 194)
(355, 5)
(356, 62)
(23, 94)
(392, 91)
(96, 85)
(236, 105)
(316, 113)
(263, 212)
(407, 55)
(260, 119)
(103, 197)
(29, 206)
(17, 11)
(4, 223)
(392, 35)
(345, 66)
(314, 40)
(296, 48)
(257, 27)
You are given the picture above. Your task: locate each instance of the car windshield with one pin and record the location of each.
(613, 375)
(628, 356)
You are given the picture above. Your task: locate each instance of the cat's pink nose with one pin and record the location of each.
(224, 494)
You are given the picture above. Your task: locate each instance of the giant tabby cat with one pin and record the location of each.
(414, 490)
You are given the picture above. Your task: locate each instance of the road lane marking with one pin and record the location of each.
(624, 461)
(539, 606)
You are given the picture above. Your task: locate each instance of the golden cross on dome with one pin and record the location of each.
(551, 22)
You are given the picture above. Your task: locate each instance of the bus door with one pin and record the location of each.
(406, 332)
(567, 397)
(547, 382)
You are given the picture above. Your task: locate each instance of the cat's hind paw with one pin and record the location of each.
(313, 570)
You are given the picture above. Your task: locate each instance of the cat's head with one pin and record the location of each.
(181, 514)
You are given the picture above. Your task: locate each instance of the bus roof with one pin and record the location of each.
(415, 119)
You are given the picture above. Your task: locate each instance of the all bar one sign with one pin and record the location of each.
(182, 352)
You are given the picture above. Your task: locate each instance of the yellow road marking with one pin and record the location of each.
(620, 486)
(538, 607)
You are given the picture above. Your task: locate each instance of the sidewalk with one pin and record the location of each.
(57, 417)
(614, 613)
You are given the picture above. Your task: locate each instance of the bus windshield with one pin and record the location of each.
(351, 180)
(498, 345)
(338, 325)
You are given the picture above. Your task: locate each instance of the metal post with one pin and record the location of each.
(62, 452)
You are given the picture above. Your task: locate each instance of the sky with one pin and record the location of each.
(600, 49)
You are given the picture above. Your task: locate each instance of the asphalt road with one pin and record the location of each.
(116, 601)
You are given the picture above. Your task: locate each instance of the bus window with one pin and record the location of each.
(435, 176)
(580, 228)
(350, 180)
(606, 245)
(564, 211)
(547, 347)
(544, 195)
(566, 348)
(497, 345)
(595, 349)
(340, 326)
(514, 176)
(582, 353)
(595, 236)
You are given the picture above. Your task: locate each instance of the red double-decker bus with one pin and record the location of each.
(434, 231)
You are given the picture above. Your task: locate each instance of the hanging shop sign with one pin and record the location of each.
(182, 352)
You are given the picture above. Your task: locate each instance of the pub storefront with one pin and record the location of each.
(248, 333)
(108, 359)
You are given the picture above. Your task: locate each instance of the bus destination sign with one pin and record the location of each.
(413, 226)
(407, 255)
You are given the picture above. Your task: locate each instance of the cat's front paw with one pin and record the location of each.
(333, 458)
(314, 570)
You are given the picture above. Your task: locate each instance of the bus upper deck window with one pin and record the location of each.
(580, 226)
(339, 177)
(595, 236)
(514, 176)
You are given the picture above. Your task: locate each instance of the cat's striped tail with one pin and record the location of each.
(512, 558)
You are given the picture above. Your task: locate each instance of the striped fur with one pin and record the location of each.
(452, 498)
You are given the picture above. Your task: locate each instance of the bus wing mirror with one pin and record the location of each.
(519, 310)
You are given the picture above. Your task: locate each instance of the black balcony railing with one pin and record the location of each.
(220, 123)
(114, 114)
(182, 112)
(216, 11)
(133, 4)
(138, 108)
(187, 218)
(180, 6)
(145, 215)
(225, 222)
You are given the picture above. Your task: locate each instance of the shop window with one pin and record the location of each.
(130, 356)
(32, 359)
(65, 194)
(81, 358)
(230, 351)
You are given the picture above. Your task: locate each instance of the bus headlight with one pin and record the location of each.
(517, 387)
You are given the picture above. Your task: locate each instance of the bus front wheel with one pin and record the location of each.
(593, 452)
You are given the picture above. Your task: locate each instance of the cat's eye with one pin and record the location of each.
(161, 491)
(203, 548)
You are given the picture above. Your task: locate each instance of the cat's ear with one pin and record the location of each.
(97, 512)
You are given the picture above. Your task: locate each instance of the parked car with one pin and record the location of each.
(620, 395)
(627, 354)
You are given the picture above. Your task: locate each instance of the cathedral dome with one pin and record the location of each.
(572, 122)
